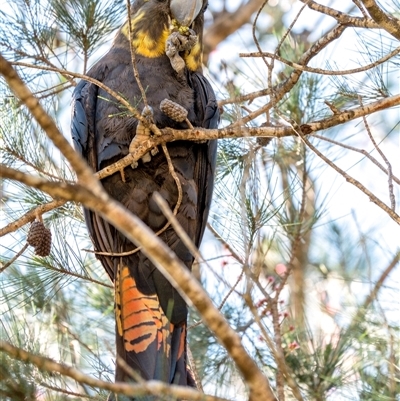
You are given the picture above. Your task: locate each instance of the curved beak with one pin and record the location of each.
(185, 11)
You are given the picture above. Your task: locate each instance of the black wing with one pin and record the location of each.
(84, 101)
(207, 106)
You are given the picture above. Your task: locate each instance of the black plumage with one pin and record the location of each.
(151, 315)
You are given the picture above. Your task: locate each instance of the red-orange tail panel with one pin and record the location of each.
(146, 339)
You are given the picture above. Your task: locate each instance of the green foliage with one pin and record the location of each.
(47, 30)
(86, 23)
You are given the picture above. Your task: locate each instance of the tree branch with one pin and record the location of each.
(286, 86)
(385, 159)
(151, 387)
(140, 147)
(14, 258)
(342, 18)
(83, 171)
(198, 134)
(372, 295)
(389, 24)
(349, 115)
(30, 216)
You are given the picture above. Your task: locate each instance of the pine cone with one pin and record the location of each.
(173, 110)
(35, 233)
(43, 249)
(40, 238)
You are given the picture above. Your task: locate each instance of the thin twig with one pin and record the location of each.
(246, 268)
(225, 244)
(67, 392)
(168, 223)
(362, 151)
(257, 43)
(389, 166)
(320, 70)
(361, 8)
(16, 256)
(80, 276)
(361, 311)
(193, 368)
(221, 305)
(351, 114)
(53, 92)
(233, 288)
(243, 98)
(352, 180)
(378, 285)
(187, 241)
(133, 55)
(19, 157)
(278, 354)
(66, 326)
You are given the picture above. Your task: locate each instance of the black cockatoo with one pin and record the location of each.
(166, 36)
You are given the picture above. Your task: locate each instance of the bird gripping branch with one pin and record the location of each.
(166, 36)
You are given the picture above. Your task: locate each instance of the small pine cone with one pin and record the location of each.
(173, 110)
(35, 233)
(43, 249)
